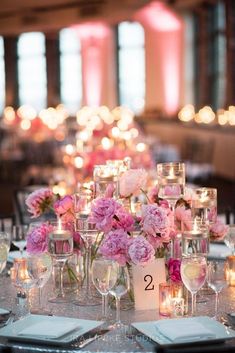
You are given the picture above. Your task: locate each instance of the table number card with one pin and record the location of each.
(146, 281)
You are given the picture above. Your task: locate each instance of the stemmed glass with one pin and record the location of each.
(230, 238)
(60, 247)
(4, 250)
(193, 273)
(171, 181)
(120, 288)
(39, 267)
(19, 233)
(104, 276)
(89, 235)
(216, 280)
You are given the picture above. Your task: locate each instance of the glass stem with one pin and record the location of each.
(40, 297)
(118, 319)
(88, 266)
(216, 304)
(104, 305)
(61, 289)
(193, 304)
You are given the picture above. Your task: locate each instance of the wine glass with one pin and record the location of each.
(216, 279)
(193, 271)
(171, 181)
(4, 250)
(39, 267)
(19, 233)
(120, 288)
(89, 235)
(229, 239)
(104, 276)
(60, 247)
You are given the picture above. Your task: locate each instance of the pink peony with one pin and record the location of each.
(64, 208)
(132, 181)
(174, 270)
(125, 220)
(183, 218)
(39, 201)
(218, 230)
(153, 194)
(37, 240)
(103, 211)
(140, 251)
(114, 246)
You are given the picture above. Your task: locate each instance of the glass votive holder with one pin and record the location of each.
(230, 270)
(179, 299)
(165, 299)
(105, 178)
(82, 202)
(204, 206)
(195, 239)
(177, 307)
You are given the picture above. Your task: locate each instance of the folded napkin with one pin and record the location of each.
(184, 330)
(47, 329)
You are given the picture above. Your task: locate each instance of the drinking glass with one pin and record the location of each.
(216, 279)
(195, 239)
(4, 250)
(193, 273)
(204, 206)
(39, 267)
(89, 235)
(105, 176)
(104, 276)
(60, 247)
(171, 181)
(83, 201)
(120, 288)
(229, 238)
(19, 233)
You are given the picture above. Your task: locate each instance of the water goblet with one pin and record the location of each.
(171, 181)
(193, 271)
(39, 267)
(90, 236)
(104, 276)
(229, 238)
(60, 247)
(19, 233)
(216, 280)
(120, 288)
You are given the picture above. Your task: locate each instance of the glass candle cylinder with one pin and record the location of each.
(205, 204)
(195, 240)
(165, 299)
(179, 299)
(105, 179)
(230, 270)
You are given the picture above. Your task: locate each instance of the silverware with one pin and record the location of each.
(8, 321)
(82, 343)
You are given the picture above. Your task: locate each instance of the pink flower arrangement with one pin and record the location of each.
(114, 246)
(183, 217)
(218, 230)
(140, 251)
(64, 208)
(173, 266)
(132, 181)
(123, 220)
(39, 201)
(37, 240)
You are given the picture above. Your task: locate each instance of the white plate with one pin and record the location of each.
(12, 331)
(150, 330)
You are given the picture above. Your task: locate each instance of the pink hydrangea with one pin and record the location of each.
(173, 266)
(37, 240)
(39, 201)
(140, 251)
(157, 223)
(114, 246)
(218, 230)
(125, 220)
(183, 217)
(64, 208)
(132, 181)
(103, 211)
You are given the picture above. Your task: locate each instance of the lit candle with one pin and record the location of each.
(230, 270)
(165, 299)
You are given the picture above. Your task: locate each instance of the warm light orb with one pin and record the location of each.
(9, 114)
(26, 112)
(106, 143)
(187, 113)
(222, 117)
(69, 149)
(115, 132)
(78, 162)
(206, 115)
(140, 147)
(25, 124)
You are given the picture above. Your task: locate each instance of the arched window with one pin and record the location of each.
(70, 70)
(32, 70)
(131, 65)
(2, 76)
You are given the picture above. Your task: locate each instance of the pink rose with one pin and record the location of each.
(114, 246)
(132, 181)
(39, 201)
(174, 270)
(103, 211)
(37, 240)
(140, 251)
(218, 230)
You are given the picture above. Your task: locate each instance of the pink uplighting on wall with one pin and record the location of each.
(92, 37)
(167, 49)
